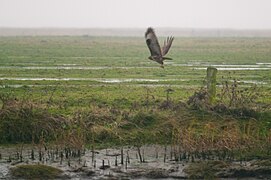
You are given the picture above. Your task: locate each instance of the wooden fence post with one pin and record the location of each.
(211, 84)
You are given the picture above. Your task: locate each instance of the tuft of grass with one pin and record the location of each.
(28, 122)
(205, 169)
(37, 171)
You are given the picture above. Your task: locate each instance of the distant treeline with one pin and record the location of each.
(181, 32)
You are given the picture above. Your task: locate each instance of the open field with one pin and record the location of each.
(107, 67)
(73, 72)
(92, 58)
(68, 92)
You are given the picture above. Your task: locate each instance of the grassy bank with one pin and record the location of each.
(194, 126)
(96, 92)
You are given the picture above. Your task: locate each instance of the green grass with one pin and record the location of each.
(126, 58)
(133, 111)
(125, 52)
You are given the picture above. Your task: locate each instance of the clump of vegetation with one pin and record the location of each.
(240, 101)
(205, 169)
(236, 123)
(36, 171)
(222, 169)
(233, 99)
(199, 100)
(26, 121)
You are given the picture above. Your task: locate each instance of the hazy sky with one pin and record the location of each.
(252, 14)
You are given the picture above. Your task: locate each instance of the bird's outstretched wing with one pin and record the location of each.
(152, 42)
(167, 45)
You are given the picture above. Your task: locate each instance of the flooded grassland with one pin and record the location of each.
(96, 107)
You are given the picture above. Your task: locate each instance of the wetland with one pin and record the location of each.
(96, 107)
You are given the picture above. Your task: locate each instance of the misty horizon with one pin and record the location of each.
(204, 14)
(135, 32)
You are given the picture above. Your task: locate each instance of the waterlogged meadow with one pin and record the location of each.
(97, 107)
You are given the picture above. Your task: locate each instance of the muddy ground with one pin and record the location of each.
(147, 162)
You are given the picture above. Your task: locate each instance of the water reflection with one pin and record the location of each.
(236, 68)
(104, 80)
(73, 67)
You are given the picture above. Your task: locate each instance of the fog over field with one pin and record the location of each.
(188, 14)
(185, 18)
(137, 32)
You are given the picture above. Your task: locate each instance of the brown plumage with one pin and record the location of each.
(157, 53)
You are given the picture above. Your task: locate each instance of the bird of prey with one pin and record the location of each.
(157, 53)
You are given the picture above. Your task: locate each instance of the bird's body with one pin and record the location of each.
(157, 53)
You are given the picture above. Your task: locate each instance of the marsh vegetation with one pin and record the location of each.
(67, 98)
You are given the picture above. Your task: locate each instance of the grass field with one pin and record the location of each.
(69, 61)
(106, 86)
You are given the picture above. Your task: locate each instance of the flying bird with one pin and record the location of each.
(157, 53)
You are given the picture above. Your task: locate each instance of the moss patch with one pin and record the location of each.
(36, 172)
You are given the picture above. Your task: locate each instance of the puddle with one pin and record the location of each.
(236, 68)
(226, 66)
(263, 63)
(257, 66)
(4, 170)
(99, 85)
(100, 57)
(173, 64)
(68, 64)
(109, 81)
(105, 67)
(45, 79)
(240, 65)
(252, 82)
(145, 162)
(74, 67)
(131, 162)
(103, 80)
(132, 80)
